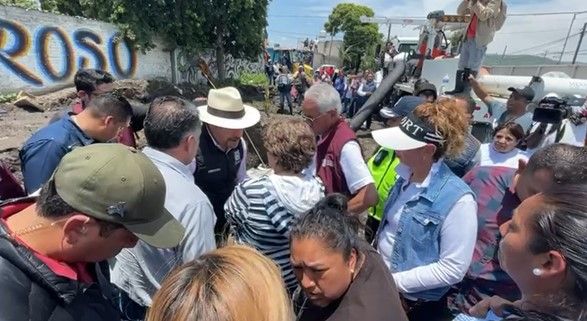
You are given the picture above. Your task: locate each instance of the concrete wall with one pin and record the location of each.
(188, 69)
(574, 71)
(328, 53)
(41, 51)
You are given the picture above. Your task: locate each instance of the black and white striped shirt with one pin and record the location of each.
(259, 215)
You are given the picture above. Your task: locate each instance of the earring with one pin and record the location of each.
(537, 272)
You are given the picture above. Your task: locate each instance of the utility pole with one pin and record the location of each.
(567, 38)
(579, 44)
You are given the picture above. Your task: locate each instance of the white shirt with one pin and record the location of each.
(491, 157)
(139, 271)
(355, 170)
(572, 134)
(457, 238)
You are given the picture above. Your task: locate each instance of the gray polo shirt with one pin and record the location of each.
(139, 271)
(499, 112)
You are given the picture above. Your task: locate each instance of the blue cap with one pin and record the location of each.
(403, 107)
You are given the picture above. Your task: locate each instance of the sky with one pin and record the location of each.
(291, 21)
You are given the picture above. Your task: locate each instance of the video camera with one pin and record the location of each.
(552, 110)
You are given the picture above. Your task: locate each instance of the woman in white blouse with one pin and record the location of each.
(503, 151)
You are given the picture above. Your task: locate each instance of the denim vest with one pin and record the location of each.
(417, 242)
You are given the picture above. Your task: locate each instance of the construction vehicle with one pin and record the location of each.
(292, 58)
(432, 61)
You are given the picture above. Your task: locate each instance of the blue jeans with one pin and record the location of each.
(472, 55)
(283, 96)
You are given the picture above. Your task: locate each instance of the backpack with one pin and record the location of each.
(283, 83)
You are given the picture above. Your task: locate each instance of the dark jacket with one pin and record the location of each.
(31, 291)
(371, 296)
(217, 173)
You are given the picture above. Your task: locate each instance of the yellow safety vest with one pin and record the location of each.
(382, 168)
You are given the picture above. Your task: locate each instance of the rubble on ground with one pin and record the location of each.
(18, 124)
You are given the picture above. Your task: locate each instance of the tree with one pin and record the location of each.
(233, 27)
(27, 4)
(359, 38)
(236, 27)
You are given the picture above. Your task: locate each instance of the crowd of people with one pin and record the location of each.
(436, 225)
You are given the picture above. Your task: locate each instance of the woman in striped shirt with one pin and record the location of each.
(261, 210)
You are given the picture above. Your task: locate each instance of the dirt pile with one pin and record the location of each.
(18, 124)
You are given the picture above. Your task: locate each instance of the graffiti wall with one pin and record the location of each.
(41, 50)
(188, 70)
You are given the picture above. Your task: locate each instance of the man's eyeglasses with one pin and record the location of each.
(311, 120)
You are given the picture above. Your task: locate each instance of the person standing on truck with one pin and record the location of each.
(487, 17)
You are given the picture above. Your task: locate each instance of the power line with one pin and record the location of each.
(291, 33)
(530, 31)
(550, 43)
(546, 13)
(423, 17)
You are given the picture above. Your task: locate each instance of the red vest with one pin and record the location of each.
(126, 136)
(9, 185)
(328, 158)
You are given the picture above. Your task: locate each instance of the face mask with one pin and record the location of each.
(192, 166)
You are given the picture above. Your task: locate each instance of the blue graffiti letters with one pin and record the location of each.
(49, 55)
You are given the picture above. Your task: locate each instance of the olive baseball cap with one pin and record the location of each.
(118, 184)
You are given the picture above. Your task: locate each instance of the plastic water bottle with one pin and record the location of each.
(445, 81)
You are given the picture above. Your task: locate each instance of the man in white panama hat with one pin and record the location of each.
(221, 160)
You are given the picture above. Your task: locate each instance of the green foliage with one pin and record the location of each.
(228, 26)
(27, 4)
(359, 38)
(257, 79)
(7, 98)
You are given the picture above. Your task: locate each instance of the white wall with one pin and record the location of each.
(40, 51)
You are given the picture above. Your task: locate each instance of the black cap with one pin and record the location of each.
(525, 92)
(426, 86)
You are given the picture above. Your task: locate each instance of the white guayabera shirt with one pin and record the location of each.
(139, 271)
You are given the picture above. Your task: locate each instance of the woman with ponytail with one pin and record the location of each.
(341, 277)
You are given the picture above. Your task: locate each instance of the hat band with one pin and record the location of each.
(415, 128)
(225, 114)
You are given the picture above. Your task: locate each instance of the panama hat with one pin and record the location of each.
(225, 109)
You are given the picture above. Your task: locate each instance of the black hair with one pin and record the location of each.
(168, 121)
(330, 222)
(514, 128)
(88, 79)
(566, 163)
(471, 103)
(50, 205)
(111, 104)
(560, 224)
